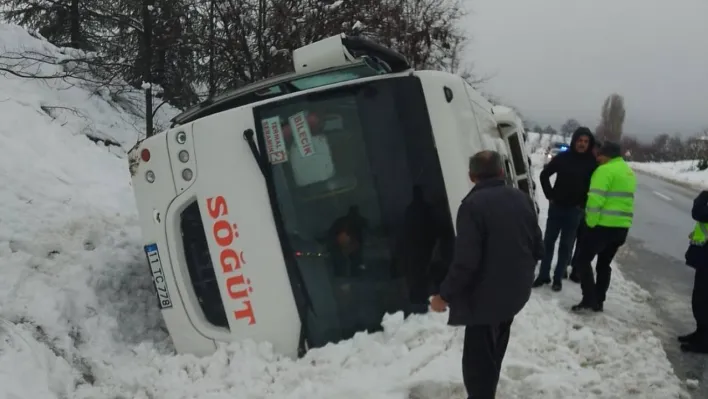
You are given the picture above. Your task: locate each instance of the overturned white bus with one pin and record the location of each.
(300, 209)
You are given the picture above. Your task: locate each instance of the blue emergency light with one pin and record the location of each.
(563, 148)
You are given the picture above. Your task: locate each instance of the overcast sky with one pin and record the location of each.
(556, 59)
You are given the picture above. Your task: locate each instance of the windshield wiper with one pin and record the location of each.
(249, 136)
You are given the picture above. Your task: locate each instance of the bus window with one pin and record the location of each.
(517, 154)
(508, 172)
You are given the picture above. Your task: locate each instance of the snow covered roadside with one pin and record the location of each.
(78, 316)
(683, 172)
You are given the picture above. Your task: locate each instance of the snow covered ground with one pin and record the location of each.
(682, 172)
(78, 317)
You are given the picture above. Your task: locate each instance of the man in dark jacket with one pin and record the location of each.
(567, 197)
(489, 281)
(697, 257)
(574, 277)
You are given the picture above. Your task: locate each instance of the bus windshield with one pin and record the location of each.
(358, 183)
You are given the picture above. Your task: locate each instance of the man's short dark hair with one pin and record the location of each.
(486, 165)
(611, 149)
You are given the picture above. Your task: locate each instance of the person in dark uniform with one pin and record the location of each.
(489, 280)
(347, 242)
(567, 196)
(574, 277)
(697, 258)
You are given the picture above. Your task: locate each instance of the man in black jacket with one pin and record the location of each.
(574, 277)
(489, 281)
(567, 198)
(697, 258)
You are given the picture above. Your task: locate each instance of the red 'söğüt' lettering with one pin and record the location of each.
(224, 233)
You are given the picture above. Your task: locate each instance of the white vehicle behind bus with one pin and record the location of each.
(286, 211)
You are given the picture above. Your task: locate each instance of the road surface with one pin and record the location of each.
(654, 259)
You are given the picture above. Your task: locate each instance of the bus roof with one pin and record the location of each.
(370, 59)
(258, 91)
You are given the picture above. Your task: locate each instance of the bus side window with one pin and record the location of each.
(517, 154)
(508, 174)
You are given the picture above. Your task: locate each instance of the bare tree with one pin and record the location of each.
(668, 148)
(57, 20)
(252, 39)
(183, 51)
(613, 114)
(659, 147)
(632, 145)
(677, 148)
(569, 127)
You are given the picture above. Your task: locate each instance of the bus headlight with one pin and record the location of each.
(187, 174)
(150, 176)
(183, 156)
(181, 137)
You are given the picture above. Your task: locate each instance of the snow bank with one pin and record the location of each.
(684, 172)
(79, 318)
(95, 112)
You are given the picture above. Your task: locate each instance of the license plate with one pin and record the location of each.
(158, 277)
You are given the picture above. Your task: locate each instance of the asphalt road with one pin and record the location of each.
(654, 258)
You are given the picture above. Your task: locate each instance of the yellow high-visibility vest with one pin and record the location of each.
(699, 235)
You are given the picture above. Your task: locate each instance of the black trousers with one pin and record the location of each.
(602, 242)
(482, 356)
(579, 232)
(699, 299)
